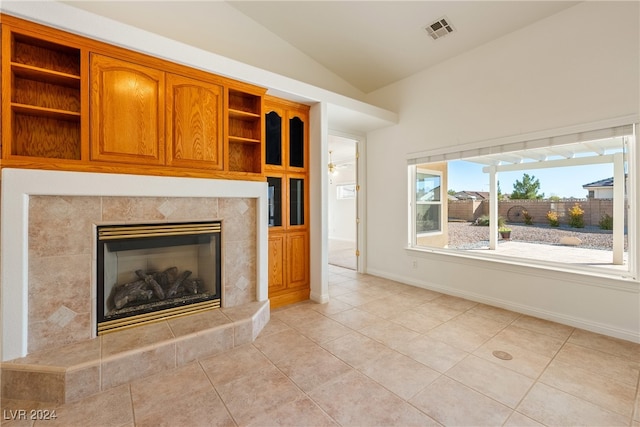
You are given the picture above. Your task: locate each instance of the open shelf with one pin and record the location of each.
(45, 54)
(45, 112)
(244, 131)
(243, 115)
(240, 140)
(244, 102)
(41, 74)
(45, 136)
(245, 158)
(45, 97)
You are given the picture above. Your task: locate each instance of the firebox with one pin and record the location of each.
(150, 272)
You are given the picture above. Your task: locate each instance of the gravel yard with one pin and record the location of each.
(465, 235)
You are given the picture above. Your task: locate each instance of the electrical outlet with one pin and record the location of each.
(415, 264)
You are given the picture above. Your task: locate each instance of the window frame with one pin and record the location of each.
(629, 275)
(413, 173)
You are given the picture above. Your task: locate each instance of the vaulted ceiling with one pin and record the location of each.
(368, 44)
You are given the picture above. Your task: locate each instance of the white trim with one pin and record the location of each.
(559, 136)
(617, 279)
(414, 170)
(559, 163)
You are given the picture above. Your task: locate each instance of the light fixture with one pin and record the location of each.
(332, 168)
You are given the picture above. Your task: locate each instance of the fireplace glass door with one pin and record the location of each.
(152, 272)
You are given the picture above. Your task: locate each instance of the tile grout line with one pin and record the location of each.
(204, 371)
(296, 385)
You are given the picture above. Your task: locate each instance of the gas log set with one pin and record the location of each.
(153, 286)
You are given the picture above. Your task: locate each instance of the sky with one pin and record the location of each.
(562, 182)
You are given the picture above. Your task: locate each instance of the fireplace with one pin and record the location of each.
(151, 272)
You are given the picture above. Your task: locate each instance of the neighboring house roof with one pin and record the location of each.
(477, 195)
(607, 182)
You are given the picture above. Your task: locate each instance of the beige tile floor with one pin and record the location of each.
(384, 354)
(342, 254)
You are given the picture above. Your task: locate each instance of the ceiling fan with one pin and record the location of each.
(333, 167)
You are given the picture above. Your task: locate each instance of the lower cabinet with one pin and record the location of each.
(288, 267)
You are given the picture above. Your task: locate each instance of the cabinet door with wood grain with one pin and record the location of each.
(277, 263)
(127, 111)
(298, 260)
(194, 123)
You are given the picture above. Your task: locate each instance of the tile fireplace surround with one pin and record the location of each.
(48, 221)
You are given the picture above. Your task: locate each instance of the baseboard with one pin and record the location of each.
(319, 298)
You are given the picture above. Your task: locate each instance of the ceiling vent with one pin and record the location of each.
(439, 28)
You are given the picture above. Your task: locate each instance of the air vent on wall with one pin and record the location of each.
(439, 28)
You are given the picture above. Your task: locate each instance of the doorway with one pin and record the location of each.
(343, 202)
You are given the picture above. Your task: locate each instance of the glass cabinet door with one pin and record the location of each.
(275, 201)
(296, 201)
(296, 142)
(273, 139)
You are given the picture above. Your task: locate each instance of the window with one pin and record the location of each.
(526, 186)
(426, 202)
(346, 191)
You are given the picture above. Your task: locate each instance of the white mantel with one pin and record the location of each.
(19, 184)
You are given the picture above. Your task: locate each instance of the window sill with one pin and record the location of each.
(593, 276)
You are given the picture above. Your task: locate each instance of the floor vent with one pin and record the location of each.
(439, 28)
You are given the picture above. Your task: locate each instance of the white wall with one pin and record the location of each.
(221, 27)
(565, 70)
(603, 193)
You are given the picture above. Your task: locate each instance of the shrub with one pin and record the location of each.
(484, 221)
(528, 219)
(576, 216)
(552, 217)
(606, 222)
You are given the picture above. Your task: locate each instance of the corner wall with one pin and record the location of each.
(556, 73)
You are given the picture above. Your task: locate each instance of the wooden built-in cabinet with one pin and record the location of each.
(127, 112)
(43, 103)
(286, 168)
(194, 123)
(73, 103)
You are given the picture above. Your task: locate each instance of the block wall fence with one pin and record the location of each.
(594, 209)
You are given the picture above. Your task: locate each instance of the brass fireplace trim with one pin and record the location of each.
(156, 316)
(154, 230)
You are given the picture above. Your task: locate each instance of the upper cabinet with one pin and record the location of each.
(286, 130)
(127, 112)
(42, 99)
(297, 140)
(72, 103)
(274, 136)
(194, 123)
